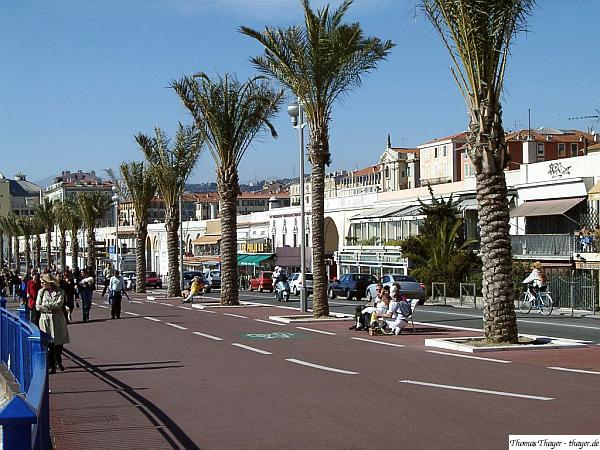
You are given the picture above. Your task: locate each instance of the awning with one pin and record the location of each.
(207, 240)
(389, 212)
(468, 203)
(594, 193)
(253, 260)
(545, 207)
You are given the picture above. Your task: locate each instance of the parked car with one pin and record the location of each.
(214, 278)
(129, 278)
(351, 285)
(153, 280)
(263, 282)
(296, 283)
(409, 286)
(189, 275)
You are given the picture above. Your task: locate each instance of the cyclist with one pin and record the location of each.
(536, 282)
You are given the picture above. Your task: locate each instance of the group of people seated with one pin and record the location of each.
(389, 311)
(586, 239)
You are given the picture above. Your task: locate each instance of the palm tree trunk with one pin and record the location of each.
(228, 187)
(10, 251)
(496, 254)
(27, 253)
(172, 227)
(49, 247)
(140, 257)
(38, 251)
(16, 253)
(319, 156)
(63, 249)
(91, 260)
(74, 249)
(1, 248)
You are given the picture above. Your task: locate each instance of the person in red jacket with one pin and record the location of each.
(33, 286)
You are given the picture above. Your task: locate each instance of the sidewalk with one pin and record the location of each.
(89, 408)
(468, 303)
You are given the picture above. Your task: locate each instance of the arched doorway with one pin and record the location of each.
(332, 242)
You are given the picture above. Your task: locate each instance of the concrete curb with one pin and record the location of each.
(452, 344)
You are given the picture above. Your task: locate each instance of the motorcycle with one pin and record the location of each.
(282, 290)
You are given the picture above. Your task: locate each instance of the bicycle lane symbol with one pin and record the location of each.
(277, 335)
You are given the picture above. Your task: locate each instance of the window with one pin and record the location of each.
(408, 171)
(540, 149)
(574, 149)
(435, 152)
(561, 149)
(467, 170)
(387, 172)
(445, 152)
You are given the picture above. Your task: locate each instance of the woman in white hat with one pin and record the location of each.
(49, 303)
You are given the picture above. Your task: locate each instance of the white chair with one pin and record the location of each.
(413, 305)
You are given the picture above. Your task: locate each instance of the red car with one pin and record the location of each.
(153, 280)
(264, 282)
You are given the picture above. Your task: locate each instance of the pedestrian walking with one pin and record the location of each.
(116, 286)
(49, 303)
(107, 273)
(86, 289)
(33, 287)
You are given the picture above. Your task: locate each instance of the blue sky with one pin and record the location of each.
(80, 77)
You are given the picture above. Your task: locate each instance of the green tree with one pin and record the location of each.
(62, 221)
(141, 186)
(478, 35)
(2, 233)
(229, 114)
(37, 230)
(45, 214)
(73, 222)
(26, 228)
(11, 228)
(92, 206)
(319, 62)
(171, 168)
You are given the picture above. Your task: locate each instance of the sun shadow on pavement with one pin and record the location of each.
(173, 435)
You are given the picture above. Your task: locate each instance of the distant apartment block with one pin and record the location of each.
(440, 159)
(18, 195)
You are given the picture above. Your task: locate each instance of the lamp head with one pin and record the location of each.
(294, 111)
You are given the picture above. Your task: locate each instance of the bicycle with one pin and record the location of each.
(542, 301)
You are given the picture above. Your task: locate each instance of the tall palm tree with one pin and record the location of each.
(37, 229)
(319, 63)
(12, 230)
(61, 217)
(170, 168)
(74, 224)
(26, 226)
(229, 114)
(478, 35)
(141, 185)
(45, 213)
(2, 233)
(92, 206)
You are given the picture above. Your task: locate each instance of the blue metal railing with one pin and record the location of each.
(25, 419)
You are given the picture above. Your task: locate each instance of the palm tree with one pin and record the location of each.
(140, 184)
(74, 224)
(11, 223)
(45, 213)
(170, 168)
(319, 63)
(229, 114)
(36, 230)
(478, 35)
(92, 206)
(2, 234)
(61, 217)
(26, 226)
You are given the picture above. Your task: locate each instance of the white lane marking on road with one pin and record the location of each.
(174, 325)
(501, 361)
(131, 314)
(184, 307)
(272, 323)
(205, 310)
(165, 304)
(235, 315)
(252, 349)
(136, 301)
(317, 366)
(591, 372)
(214, 338)
(316, 331)
(102, 306)
(542, 322)
(481, 391)
(372, 341)
(153, 319)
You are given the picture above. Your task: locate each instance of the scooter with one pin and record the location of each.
(282, 290)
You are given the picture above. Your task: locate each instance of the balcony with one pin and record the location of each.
(544, 246)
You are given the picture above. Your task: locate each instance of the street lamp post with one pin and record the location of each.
(296, 112)
(115, 199)
(180, 243)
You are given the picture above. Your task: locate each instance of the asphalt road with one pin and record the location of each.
(170, 376)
